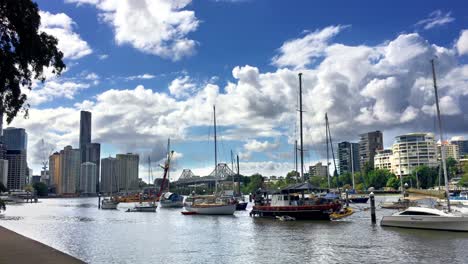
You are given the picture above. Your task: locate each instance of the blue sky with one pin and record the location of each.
(149, 70)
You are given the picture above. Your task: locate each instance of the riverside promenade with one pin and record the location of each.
(19, 249)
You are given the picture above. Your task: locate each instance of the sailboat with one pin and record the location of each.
(430, 218)
(292, 200)
(212, 204)
(110, 203)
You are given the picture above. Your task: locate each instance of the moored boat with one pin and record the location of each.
(109, 204)
(149, 207)
(210, 205)
(171, 200)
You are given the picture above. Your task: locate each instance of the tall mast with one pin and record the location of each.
(295, 158)
(149, 169)
(333, 155)
(215, 150)
(442, 146)
(300, 125)
(328, 155)
(238, 174)
(168, 153)
(352, 163)
(232, 167)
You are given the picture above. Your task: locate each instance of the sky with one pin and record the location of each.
(150, 70)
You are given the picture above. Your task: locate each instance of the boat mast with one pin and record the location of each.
(238, 174)
(328, 155)
(442, 146)
(300, 125)
(149, 169)
(168, 153)
(215, 150)
(333, 154)
(295, 159)
(232, 166)
(352, 164)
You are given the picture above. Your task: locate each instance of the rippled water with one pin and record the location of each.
(77, 227)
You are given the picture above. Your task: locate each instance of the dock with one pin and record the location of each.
(19, 249)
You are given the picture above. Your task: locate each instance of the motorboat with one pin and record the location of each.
(171, 200)
(427, 218)
(149, 207)
(461, 199)
(344, 212)
(210, 205)
(109, 204)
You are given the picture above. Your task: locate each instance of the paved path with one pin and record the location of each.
(18, 249)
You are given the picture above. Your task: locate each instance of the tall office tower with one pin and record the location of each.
(55, 170)
(318, 170)
(413, 150)
(16, 169)
(109, 180)
(462, 146)
(88, 178)
(4, 172)
(70, 170)
(127, 172)
(15, 138)
(348, 154)
(369, 143)
(93, 154)
(85, 133)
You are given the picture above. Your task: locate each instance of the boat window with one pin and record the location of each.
(417, 213)
(285, 197)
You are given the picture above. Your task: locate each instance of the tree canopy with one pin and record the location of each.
(41, 188)
(24, 53)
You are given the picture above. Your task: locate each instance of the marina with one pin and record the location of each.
(113, 236)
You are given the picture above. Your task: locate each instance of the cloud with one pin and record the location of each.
(103, 56)
(158, 27)
(435, 19)
(54, 89)
(145, 76)
(182, 87)
(298, 53)
(61, 26)
(462, 43)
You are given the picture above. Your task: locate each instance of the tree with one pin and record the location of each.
(427, 177)
(24, 52)
(291, 177)
(378, 178)
(3, 188)
(393, 182)
(452, 165)
(2, 205)
(256, 182)
(41, 188)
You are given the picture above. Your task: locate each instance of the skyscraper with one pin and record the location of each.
(127, 171)
(55, 172)
(368, 144)
(93, 154)
(109, 182)
(4, 172)
(348, 154)
(16, 169)
(15, 138)
(85, 133)
(70, 170)
(88, 178)
(462, 146)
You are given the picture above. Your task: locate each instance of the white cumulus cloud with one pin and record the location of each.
(462, 43)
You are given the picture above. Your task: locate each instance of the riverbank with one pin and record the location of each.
(19, 249)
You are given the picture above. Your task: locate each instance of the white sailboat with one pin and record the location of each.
(430, 218)
(110, 203)
(211, 205)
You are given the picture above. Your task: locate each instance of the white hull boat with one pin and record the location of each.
(149, 207)
(108, 204)
(211, 209)
(171, 204)
(426, 218)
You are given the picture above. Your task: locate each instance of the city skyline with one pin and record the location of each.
(346, 62)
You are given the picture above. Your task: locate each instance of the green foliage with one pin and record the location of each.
(377, 178)
(319, 181)
(427, 177)
(255, 182)
(2, 187)
(360, 187)
(24, 52)
(2, 205)
(41, 188)
(464, 179)
(452, 167)
(393, 182)
(292, 177)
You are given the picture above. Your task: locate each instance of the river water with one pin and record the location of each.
(77, 227)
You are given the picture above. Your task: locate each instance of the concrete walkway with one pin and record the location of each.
(18, 249)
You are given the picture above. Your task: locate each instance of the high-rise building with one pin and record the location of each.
(85, 133)
(369, 143)
(462, 146)
(318, 170)
(413, 150)
(15, 138)
(383, 159)
(70, 169)
(93, 154)
(451, 151)
(4, 172)
(109, 182)
(127, 171)
(88, 178)
(55, 171)
(348, 157)
(17, 169)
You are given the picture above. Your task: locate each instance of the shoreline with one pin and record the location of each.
(16, 248)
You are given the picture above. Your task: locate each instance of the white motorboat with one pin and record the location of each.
(427, 218)
(109, 204)
(462, 199)
(171, 200)
(149, 207)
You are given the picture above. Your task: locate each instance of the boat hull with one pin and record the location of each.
(311, 212)
(171, 204)
(228, 209)
(109, 205)
(359, 199)
(427, 222)
(241, 206)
